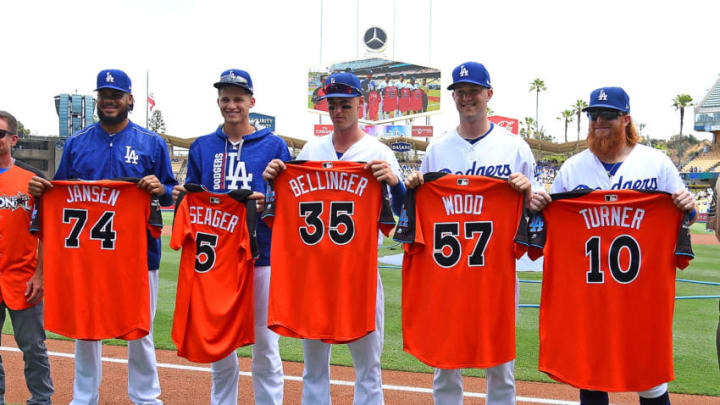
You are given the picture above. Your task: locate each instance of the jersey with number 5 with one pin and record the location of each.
(325, 218)
(608, 287)
(458, 281)
(95, 258)
(214, 301)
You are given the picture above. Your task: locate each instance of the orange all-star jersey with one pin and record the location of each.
(214, 302)
(608, 287)
(325, 218)
(462, 235)
(95, 258)
(18, 247)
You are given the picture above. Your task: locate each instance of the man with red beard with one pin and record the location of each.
(615, 160)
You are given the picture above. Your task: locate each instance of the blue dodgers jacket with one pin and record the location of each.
(93, 154)
(214, 162)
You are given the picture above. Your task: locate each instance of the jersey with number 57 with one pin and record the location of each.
(608, 287)
(214, 301)
(95, 258)
(325, 218)
(462, 235)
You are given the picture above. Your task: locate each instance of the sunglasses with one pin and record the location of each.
(4, 132)
(607, 115)
(339, 88)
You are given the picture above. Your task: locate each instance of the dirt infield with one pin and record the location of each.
(183, 382)
(704, 239)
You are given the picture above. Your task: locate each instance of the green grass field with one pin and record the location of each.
(696, 368)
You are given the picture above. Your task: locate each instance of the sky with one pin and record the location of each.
(653, 49)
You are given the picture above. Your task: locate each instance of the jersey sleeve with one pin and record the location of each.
(683, 247)
(268, 214)
(36, 219)
(251, 218)
(521, 235)
(536, 235)
(409, 229)
(386, 220)
(181, 224)
(155, 221)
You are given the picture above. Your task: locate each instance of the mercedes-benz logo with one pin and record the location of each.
(375, 39)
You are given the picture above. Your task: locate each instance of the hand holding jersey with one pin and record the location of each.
(615, 160)
(348, 143)
(476, 147)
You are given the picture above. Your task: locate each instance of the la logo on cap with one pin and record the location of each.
(602, 96)
(463, 71)
(332, 80)
(109, 78)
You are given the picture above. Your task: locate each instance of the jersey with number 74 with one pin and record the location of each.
(95, 258)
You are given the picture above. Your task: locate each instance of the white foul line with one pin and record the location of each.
(389, 387)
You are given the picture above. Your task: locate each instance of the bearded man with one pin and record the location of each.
(615, 160)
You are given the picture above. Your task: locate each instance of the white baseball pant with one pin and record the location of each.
(267, 371)
(447, 383)
(365, 353)
(143, 382)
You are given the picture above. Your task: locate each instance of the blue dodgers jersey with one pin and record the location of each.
(214, 163)
(93, 154)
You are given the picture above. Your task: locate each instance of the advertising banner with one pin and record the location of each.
(511, 124)
(265, 121)
(392, 90)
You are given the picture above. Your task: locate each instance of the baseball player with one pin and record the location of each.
(366, 86)
(112, 148)
(477, 147)
(615, 160)
(404, 94)
(319, 103)
(348, 142)
(242, 152)
(21, 271)
(389, 93)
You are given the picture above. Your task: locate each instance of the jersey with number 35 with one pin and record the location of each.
(325, 218)
(214, 301)
(608, 287)
(458, 281)
(95, 258)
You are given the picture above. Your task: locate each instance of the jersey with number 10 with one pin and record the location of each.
(458, 292)
(95, 258)
(214, 302)
(609, 287)
(325, 218)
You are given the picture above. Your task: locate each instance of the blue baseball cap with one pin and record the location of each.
(470, 72)
(342, 85)
(114, 79)
(613, 98)
(237, 78)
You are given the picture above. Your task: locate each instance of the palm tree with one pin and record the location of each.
(490, 112)
(566, 115)
(527, 131)
(537, 86)
(680, 102)
(577, 108)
